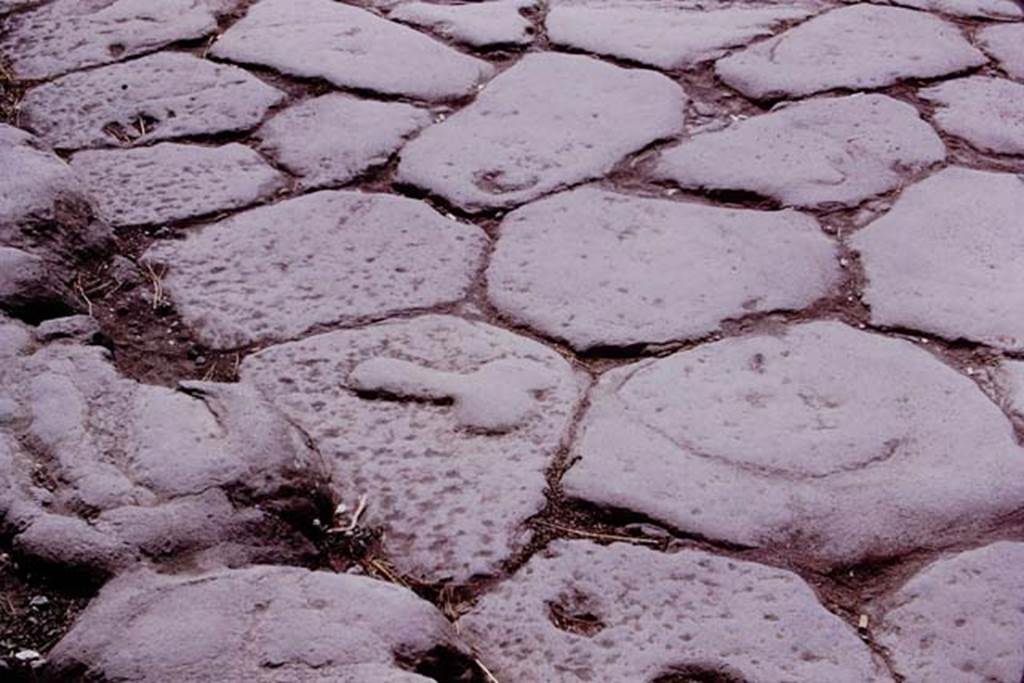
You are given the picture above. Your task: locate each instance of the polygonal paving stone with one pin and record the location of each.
(483, 24)
(550, 121)
(959, 619)
(946, 259)
(601, 269)
(447, 427)
(840, 150)
(584, 612)
(351, 48)
(986, 112)
(169, 182)
(1006, 45)
(762, 441)
(864, 46)
(162, 96)
(1006, 10)
(331, 139)
(275, 272)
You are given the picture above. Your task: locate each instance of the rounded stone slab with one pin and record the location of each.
(839, 150)
(986, 112)
(483, 24)
(446, 426)
(600, 269)
(170, 181)
(162, 96)
(863, 46)
(959, 619)
(760, 441)
(579, 611)
(946, 259)
(351, 48)
(550, 121)
(1006, 45)
(1004, 10)
(332, 139)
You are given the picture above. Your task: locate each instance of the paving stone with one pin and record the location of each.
(863, 46)
(584, 612)
(1005, 10)
(159, 97)
(332, 139)
(959, 619)
(598, 269)
(447, 426)
(1006, 45)
(351, 48)
(839, 150)
(550, 121)
(1009, 377)
(170, 181)
(266, 624)
(761, 441)
(946, 258)
(986, 112)
(23, 279)
(482, 24)
(275, 272)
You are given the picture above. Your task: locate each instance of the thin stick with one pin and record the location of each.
(602, 537)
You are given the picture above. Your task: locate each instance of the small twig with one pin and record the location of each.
(158, 287)
(80, 290)
(602, 537)
(491, 678)
(382, 569)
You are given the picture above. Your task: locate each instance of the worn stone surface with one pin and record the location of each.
(986, 112)
(1006, 45)
(863, 46)
(23, 279)
(482, 24)
(581, 266)
(451, 485)
(839, 150)
(351, 48)
(1005, 10)
(946, 258)
(550, 121)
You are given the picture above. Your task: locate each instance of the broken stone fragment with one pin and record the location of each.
(482, 24)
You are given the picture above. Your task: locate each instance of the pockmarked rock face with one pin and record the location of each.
(986, 112)
(760, 441)
(446, 426)
(839, 150)
(864, 46)
(1006, 10)
(274, 272)
(351, 48)
(580, 611)
(550, 121)
(159, 97)
(946, 258)
(483, 24)
(600, 269)
(1006, 45)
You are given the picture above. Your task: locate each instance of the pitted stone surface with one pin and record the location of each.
(946, 259)
(451, 497)
(351, 48)
(23, 278)
(550, 121)
(162, 96)
(335, 257)
(1006, 45)
(839, 150)
(598, 269)
(482, 24)
(959, 619)
(332, 139)
(1005, 10)
(863, 46)
(986, 112)
(761, 441)
(584, 612)
(170, 181)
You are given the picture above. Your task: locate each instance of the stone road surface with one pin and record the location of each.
(640, 341)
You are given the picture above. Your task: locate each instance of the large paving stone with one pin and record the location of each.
(331, 139)
(1006, 45)
(584, 612)
(447, 427)
(550, 121)
(275, 272)
(351, 48)
(1005, 10)
(839, 150)
(597, 268)
(162, 96)
(946, 258)
(482, 24)
(762, 441)
(959, 619)
(986, 112)
(864, 46)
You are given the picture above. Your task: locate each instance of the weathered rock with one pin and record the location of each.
(351, 48)
(170, 181)
(332, 139)
(482, 24)
(23, 279)
(1006, 45)
(761, 441)
(986, 112)
(159, 97)
(332, 257)
(550, 121)
(450, 485)
(1006, 10)
(946, 258)
(864, 46)
(1009, 377)
(601, 269)
(81, 328)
